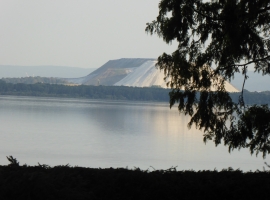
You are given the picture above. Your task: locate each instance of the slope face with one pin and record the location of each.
(137, 72)
(113, 71)
(146, 75)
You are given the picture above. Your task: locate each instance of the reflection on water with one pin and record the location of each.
(97, 133)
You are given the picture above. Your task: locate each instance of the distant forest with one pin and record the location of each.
(110, 92)
(85, 91)
(35, 79)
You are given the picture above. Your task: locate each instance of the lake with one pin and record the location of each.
(101, 133)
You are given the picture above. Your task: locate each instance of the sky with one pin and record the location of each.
(77, 33)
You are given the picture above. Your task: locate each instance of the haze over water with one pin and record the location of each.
(98, 133)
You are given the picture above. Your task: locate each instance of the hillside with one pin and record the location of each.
(137, 72)
(144, 75)
(111, 72)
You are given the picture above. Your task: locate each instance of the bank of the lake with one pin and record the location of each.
(65, 182)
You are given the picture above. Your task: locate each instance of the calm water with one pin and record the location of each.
(97, 133)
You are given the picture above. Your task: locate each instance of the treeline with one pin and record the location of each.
(110, 92)
(35, 79)
(253, 97)
(85, 91)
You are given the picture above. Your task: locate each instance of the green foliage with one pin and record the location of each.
(215, 40)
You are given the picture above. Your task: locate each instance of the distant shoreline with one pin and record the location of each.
(153, 94)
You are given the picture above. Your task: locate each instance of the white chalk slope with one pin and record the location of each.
(145, 75)
(148, 75)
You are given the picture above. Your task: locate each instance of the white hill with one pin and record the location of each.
(145, 75)
(137, 72)
(148, 75)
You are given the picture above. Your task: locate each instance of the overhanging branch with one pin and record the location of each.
(263, 10)
(253, 61)
(206, 16)
(224, 19)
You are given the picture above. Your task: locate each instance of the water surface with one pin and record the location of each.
(99, 133)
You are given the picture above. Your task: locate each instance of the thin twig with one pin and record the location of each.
(253, 61)
(241, 97)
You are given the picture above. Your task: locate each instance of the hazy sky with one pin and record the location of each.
(79, 33)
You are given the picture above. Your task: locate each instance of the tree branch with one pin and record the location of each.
(224, 19)
(206, 16)
(241, 97)
(263, 10)
(253, 61)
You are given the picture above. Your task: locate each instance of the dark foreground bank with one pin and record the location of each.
(65, 182)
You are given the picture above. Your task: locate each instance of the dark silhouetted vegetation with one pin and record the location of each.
(216, 39)
(66, 182)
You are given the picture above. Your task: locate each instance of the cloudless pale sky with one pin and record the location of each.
(78, 33)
